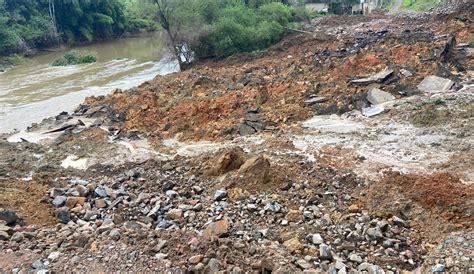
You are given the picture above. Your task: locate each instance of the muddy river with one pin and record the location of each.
(36, 90)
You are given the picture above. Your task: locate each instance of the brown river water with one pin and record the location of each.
(35, 90)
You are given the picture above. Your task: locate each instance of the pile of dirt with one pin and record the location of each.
(439, 200)
(29, 200)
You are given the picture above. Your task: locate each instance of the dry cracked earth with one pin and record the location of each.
(344, 149)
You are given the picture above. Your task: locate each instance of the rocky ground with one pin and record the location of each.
(344, 149)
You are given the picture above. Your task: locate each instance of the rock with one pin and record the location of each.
(373, 110)
(434, 84)
(114, 234)
(339, 265)
(254, 172)
(214, 265)
(53, 256)
(161, 256)
(100, 203)
(293, 244)
(293, 216)
(377, 96)
(316, 239)
(216, 229)
(314, 100)
(273, 207)
(101, 191)
(18, 237)
(174, 214)
(245, 129)
(195, 259)
(438, 268)
(167, 186)
(59, 201)
(230, 159)
(304, 264)
(82, 190)
(167, 167)
(220, 195)
(378, 78)
(375, 269)
(6, 229)
(57, 192)
(164, 224)
(4, 236)
(8, 216)
(399, 221)
(171, 193)
(354, 208)
(374, 233)
(355, 258)
(161, 244)
(63, 215)
(406, 72)
(132, 225)
(363, 266)
(71, 202)
(40, 264)
(383, 225)
(324, 252)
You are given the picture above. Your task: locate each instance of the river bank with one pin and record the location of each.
(36, 90)
(334, 151)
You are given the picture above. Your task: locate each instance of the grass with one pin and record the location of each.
(74, 58)
(420, 5)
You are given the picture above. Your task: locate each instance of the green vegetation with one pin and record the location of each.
(220, 28)
(74, 58)
(26, 25)
(9, 61)
(420, 5)
(196, 28)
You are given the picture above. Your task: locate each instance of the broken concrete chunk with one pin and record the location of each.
(406, 73)
(378, 78)
(373, 110)
(314, 100)
(377, 96)
(434, 84)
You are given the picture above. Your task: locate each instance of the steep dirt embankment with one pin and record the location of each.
(337, 151)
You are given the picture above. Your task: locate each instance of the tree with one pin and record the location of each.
(185, 24)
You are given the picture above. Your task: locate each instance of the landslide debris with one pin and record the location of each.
(272, 195)
(328, 72)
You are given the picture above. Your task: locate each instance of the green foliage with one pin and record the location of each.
(240, 28)
(9, 61)
(420, 5)
(29, 24)
(74, 58)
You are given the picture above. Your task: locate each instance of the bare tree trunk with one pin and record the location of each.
(52, 14)
(164, 14)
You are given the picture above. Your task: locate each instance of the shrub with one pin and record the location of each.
(74, 58)
(243, 29)
(276, 12)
